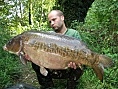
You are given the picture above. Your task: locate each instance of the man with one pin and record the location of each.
(72, 74)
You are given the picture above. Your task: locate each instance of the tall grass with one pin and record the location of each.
(9, 64)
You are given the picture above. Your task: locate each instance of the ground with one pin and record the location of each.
(28, 76)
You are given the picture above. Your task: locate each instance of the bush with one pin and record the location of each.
(9, 66)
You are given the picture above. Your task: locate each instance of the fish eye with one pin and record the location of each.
(10, 42)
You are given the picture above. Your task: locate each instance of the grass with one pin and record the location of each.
(90, 81)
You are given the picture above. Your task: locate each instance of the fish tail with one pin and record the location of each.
(105, 61)
(98, 69)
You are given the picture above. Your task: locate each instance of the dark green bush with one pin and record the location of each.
(9, 64)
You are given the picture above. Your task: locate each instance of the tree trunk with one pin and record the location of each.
(30, 12)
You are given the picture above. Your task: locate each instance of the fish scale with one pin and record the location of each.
(55, 51)
(53, 48)
(59, 50)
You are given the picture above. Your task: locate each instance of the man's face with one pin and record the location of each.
(56, 21)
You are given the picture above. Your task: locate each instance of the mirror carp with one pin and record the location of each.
(55, 51)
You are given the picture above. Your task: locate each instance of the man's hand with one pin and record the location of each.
(27, 57)
(73, 65)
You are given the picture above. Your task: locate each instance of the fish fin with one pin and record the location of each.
(43, 71)
(105, 61)
(98, 69)
(22, 58)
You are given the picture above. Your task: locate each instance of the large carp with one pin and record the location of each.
(55, 51)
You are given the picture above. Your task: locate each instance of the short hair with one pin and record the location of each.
(60, 13)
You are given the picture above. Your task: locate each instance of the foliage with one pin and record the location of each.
(9, 66)
(103, 25)
(99, 32)
(14, 20)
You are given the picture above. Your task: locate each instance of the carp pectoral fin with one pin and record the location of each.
(22, 58)
(98, 69)
(43, 71)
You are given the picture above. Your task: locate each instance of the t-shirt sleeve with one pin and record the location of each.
(77, 35)
(73, 33)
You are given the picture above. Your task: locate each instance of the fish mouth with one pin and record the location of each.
(22, 58)
(5, 48)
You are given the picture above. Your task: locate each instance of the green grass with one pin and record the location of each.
(90, 81)
(9, 70)
(9, 64)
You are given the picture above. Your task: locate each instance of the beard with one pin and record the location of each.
(58, 29)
